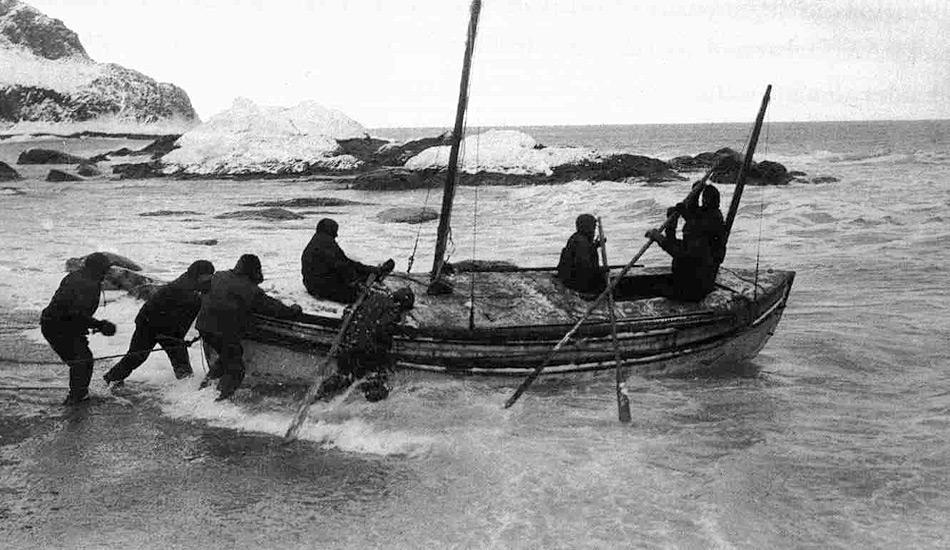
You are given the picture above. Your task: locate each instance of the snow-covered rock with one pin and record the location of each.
(252, 139)
(49, 84)
(504, 152)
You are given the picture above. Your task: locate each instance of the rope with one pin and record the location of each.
(471, 292)
(187, 343)
(758, 244)
(415, 245)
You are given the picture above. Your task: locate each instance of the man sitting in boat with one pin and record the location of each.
(365, 351)
(327, 272)
(696, 257)
(579, 266)
(165, 319)
(225, 315)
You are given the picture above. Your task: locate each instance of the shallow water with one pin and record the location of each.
(839, 440)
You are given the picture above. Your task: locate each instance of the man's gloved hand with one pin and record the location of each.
(387, 266)
(106, 328)
(296, 310)
(654, 235)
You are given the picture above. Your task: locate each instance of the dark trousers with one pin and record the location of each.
(651, 286)
(73, 348)
(229, 366)
(143, 341)
(335, 291)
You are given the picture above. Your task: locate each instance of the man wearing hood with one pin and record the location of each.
(696, 257)
(165, 319)
(68, 319)
(327, 272)
(225, 316)
(579, 267)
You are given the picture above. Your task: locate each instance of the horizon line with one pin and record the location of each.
(571, 125)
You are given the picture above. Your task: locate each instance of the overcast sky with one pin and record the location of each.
(397, 62)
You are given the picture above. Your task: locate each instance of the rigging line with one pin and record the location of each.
(471, 292)
(415, 245)
(758, 244)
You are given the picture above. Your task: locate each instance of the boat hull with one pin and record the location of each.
(670, 339)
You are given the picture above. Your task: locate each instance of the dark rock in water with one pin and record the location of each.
(120, 278)
(60, 176)
(123, 152)
(140, 170)
(726, 170)
(687, 163)
(276, 214)
(47, 156)
(771, 173)
(11, 191)
(408, 214)
(824, 179)
(203, 242)
(394, 179)
(396, 154)
(161, 146)
(170, 213)
(796, 174)
(88, 169)
(99, 158)
(7, 173)
(74, 264)
(363, 148)
(617, 167)
(304, 202)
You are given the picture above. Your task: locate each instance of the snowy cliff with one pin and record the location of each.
(249, 139)
(49, 83)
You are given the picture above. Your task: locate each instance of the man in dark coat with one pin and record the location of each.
(579, 267)
(165, 319)
(366, 348)
(696, 257)
(327, 272)
(225, 316)
(68, 318)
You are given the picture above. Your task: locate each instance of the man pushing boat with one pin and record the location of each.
(225, 316)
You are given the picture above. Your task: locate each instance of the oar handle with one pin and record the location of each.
(314, 388)
(670, 220)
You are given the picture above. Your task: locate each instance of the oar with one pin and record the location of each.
(314, 388)
(623, 401)
(694, 192)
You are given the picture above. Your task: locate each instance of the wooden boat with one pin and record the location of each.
(520, 316)
(509, 323)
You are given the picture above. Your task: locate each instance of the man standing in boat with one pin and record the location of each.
(328, 273)
(696, 257)
(165, 319)
(579, 267)
(225, 316)
(68, 319)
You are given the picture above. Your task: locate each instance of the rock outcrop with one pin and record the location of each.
(271, 214)
(408, 214)
(47, 156)
(7, 173)
(72, 264)
(57, 82)
(59, 176)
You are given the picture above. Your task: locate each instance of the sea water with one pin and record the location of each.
(838, 438)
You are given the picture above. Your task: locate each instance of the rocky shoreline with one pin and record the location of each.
(381, 166)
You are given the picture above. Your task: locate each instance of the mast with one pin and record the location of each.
(448, 193)
(746, 164)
